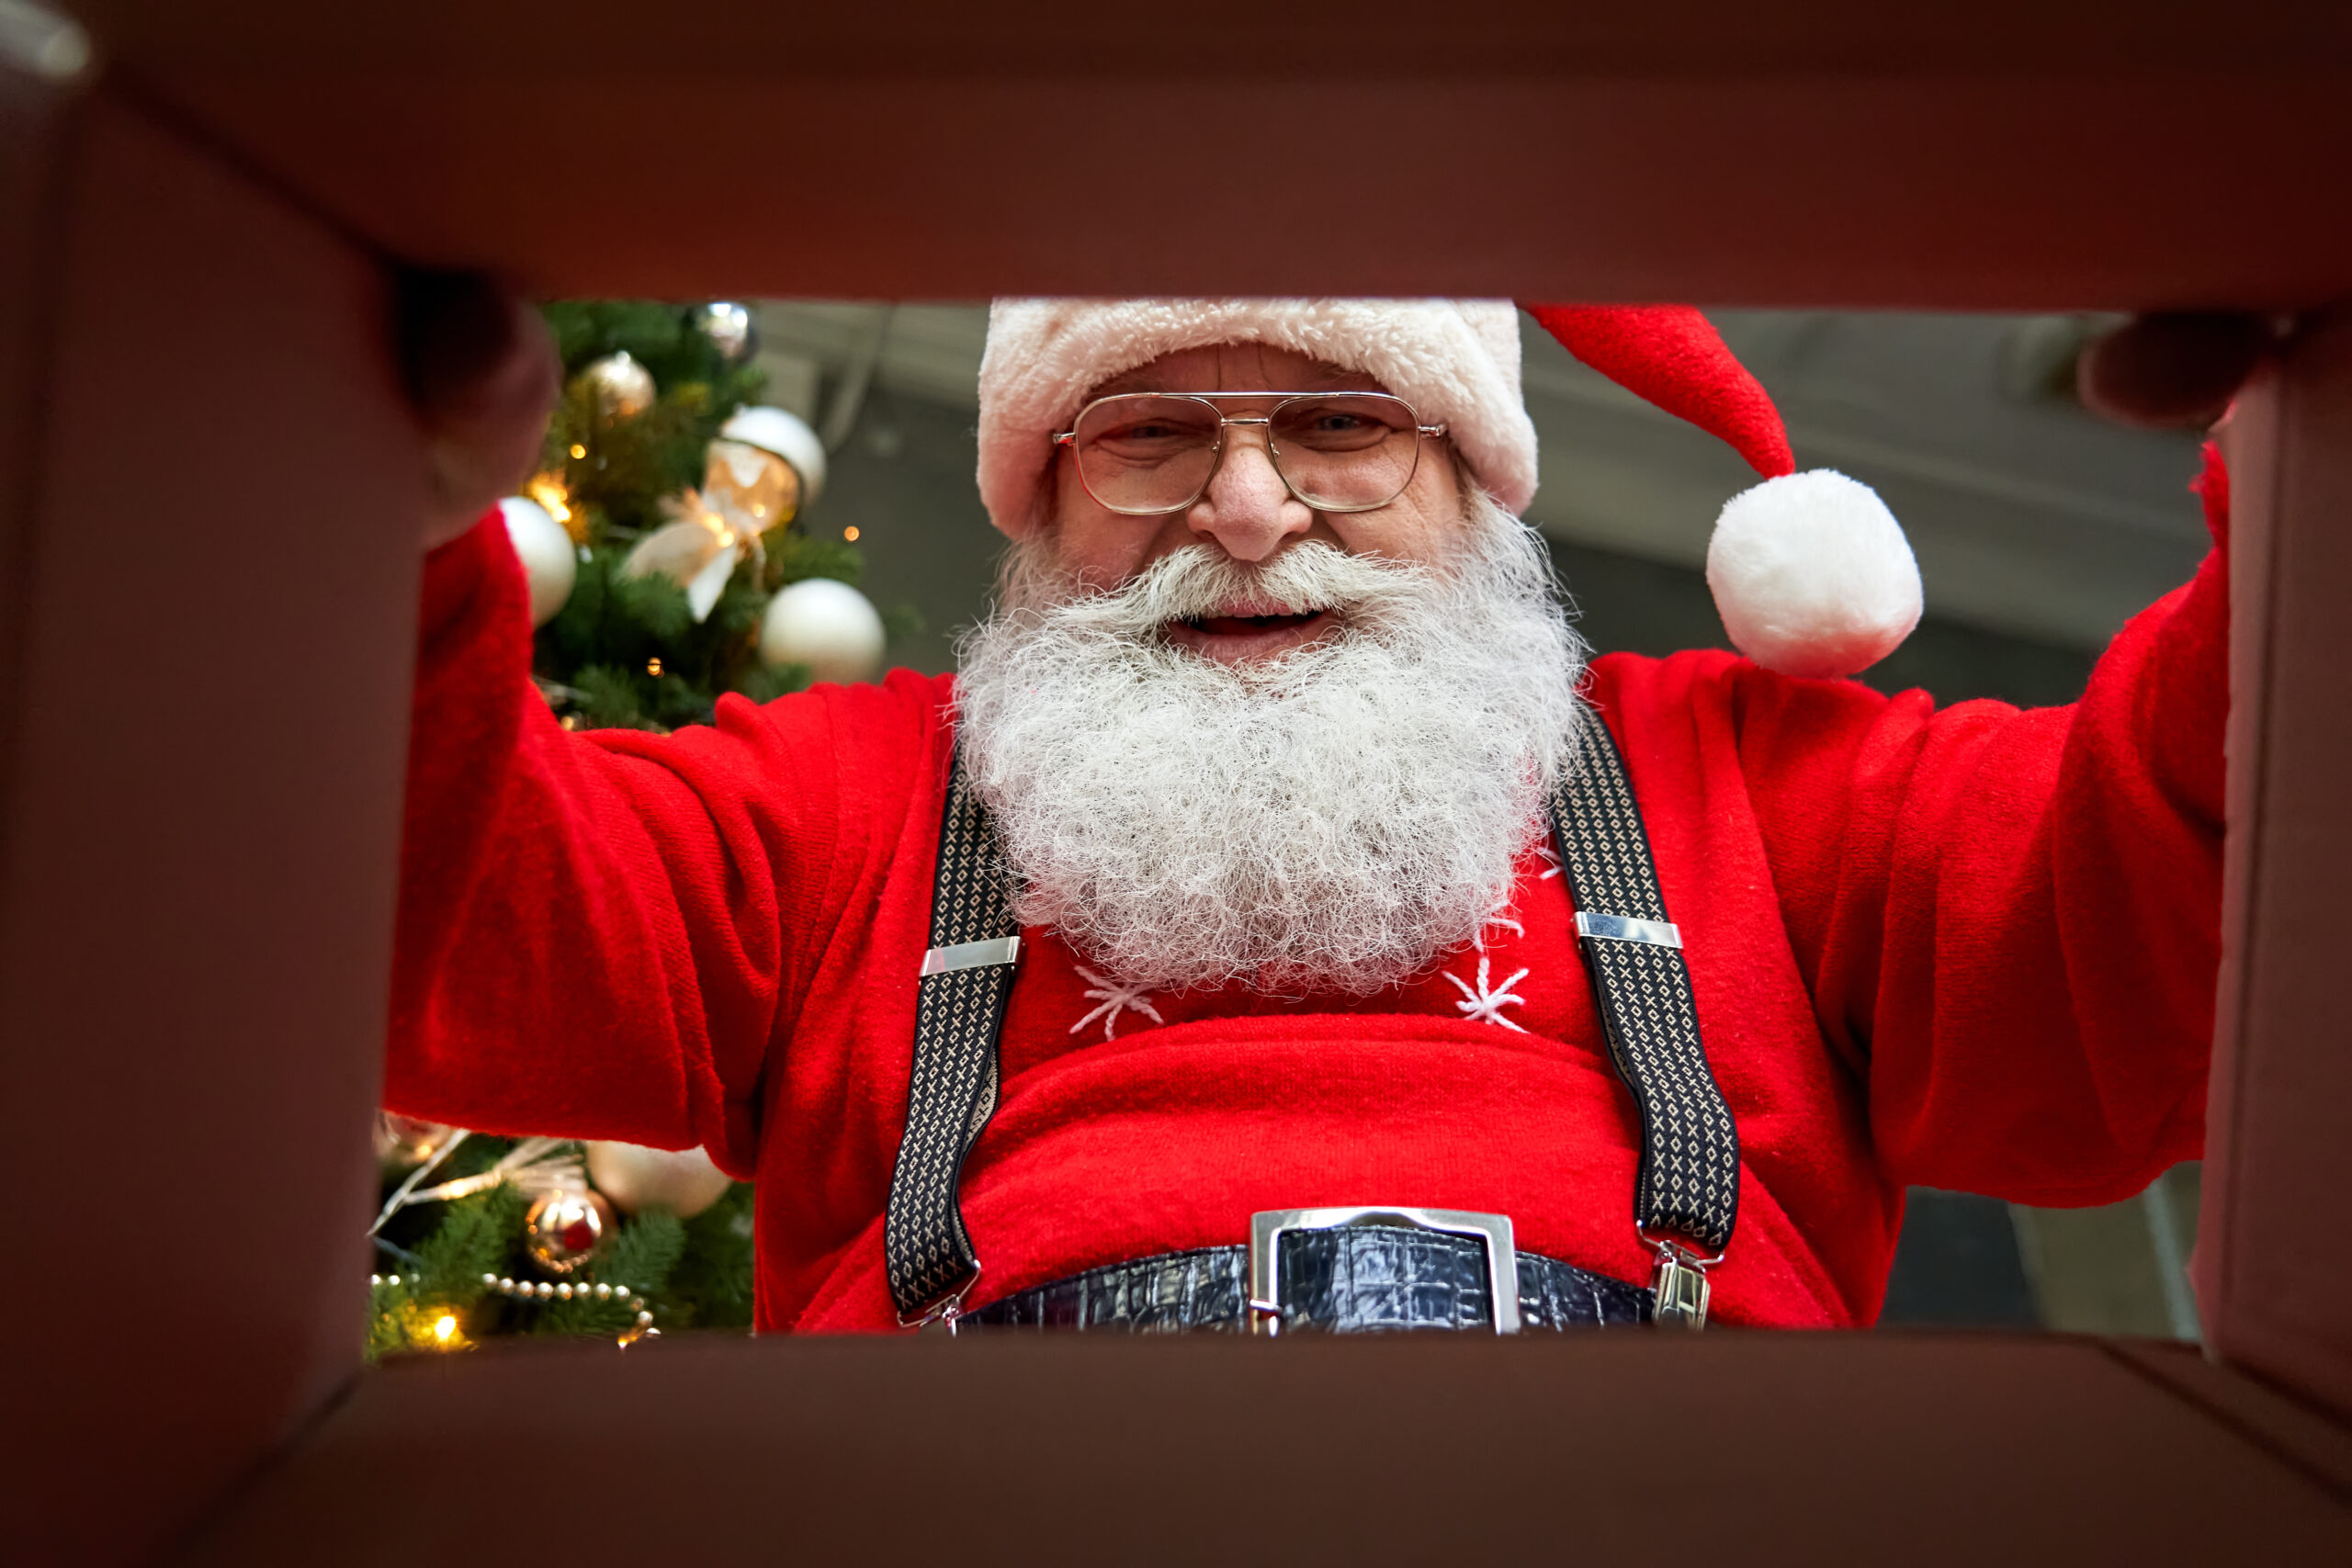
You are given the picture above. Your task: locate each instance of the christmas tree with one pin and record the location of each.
(668, 565)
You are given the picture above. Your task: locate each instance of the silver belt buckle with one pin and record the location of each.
(1267, 1226)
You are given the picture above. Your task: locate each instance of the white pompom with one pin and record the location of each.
(551, 560)
(1812, 575)
(826, 625)
(684, 1181)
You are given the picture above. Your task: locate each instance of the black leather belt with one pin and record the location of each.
(1357, 1279)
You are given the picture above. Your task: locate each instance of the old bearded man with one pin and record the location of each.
(1289, 813)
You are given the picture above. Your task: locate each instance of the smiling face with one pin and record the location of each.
(1247, 513)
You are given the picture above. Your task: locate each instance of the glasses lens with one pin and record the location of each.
(1346, 451)
(1145, 453)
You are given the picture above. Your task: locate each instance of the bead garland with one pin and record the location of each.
(541, 1290)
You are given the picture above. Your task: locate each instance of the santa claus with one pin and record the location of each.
(1279, 923)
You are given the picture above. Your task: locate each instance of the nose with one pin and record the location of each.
(1247, 509)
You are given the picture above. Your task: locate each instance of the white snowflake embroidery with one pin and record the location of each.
(1485, 1004)
(1115, 999)
(1550, 857)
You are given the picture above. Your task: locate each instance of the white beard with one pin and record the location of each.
(1335, 819)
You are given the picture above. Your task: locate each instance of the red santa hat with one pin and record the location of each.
(1810, 572)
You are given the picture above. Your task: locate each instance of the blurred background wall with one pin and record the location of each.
(2040, 529)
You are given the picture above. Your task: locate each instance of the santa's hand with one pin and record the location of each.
(2173, 368)
(480, 371)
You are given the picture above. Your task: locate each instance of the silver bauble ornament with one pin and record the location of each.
(623, 389)
(565, 1227)
(636, 1178)
(729, 327)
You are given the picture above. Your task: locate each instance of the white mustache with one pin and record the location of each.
(1197, 582)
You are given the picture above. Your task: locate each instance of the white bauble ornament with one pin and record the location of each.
(636, 1179)
(551, 560)
(826, 625)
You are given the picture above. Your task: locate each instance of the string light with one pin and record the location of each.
(578, 450)
(654, 666)
(850, 533)
(549, 492)
(437, 1327)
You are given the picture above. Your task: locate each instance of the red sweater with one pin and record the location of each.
(1972, 948)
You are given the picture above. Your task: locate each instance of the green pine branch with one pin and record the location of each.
(622, 653)
(640, 1256)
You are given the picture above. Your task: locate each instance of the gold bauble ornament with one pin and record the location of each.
(623, 389)
(748, 486)
(565, 1228)
(403, 1141)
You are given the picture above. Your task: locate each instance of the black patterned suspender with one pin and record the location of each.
(1687, 1193)
(1686, 1190)
(966, 979)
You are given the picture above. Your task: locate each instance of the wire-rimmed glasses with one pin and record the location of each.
(1143, 453)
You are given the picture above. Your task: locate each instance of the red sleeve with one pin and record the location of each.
(594, 933)
(2011, 921)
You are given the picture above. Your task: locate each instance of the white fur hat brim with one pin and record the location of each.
(1456, 361)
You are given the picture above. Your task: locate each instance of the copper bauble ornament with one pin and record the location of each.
(623, 389)
(565, 1227)
(729, 327)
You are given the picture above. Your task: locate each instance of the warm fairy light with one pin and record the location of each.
(549, 492)
(850, 533)
(578, 450)
(759, 509)
(445, 1327)
(653, 667)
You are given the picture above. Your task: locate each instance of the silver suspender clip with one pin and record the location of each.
(1621, 927)
(971, 956)
(942, 1316)
(1679, 1283)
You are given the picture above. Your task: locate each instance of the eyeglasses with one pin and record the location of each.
(1143, 453)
